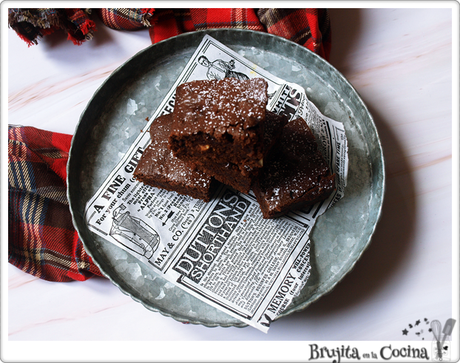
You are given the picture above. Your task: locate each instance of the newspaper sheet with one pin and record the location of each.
(222, 252)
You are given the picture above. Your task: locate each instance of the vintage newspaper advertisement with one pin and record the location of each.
(222, 252)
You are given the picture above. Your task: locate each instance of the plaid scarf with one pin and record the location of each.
(41, 238)
(307, 27)
(30, 24)
(126, 19)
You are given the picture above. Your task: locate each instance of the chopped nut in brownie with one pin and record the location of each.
(158, 166)
(220, 122)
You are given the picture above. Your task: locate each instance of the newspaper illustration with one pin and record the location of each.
(223, 251)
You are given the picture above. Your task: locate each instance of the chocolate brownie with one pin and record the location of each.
(158, 166)
(219, 122)
(241, 180)
(295, 173)
(274, 125)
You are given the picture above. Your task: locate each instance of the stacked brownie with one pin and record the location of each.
(221, 130)
(158, 167)
(295, 174)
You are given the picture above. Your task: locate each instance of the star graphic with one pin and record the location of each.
(417, 322)
(405, 332)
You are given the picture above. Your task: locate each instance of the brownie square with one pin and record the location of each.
(241, 180)
(295, 173)
(158, 166)
(220, 122)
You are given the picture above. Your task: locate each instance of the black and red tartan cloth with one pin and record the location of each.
(30, 24)
(42, 240)
(307, 27)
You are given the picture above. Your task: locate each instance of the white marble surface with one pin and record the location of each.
(400, 61)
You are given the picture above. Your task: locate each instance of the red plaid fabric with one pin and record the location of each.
(125, 18)
(225, 18)
(31, 24)
(308, 27)
(170, 22)
(41, 238)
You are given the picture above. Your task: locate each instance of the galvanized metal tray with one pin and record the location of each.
(108, 126)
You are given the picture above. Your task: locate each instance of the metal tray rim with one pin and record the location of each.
(301, 306)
